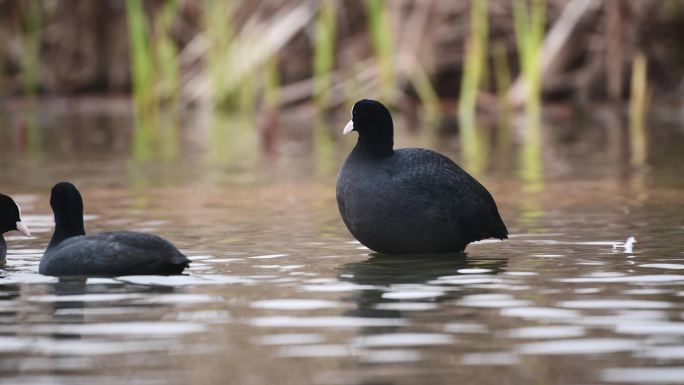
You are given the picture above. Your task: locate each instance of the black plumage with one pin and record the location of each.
(73, 253)
(10, 220)
(410, 200)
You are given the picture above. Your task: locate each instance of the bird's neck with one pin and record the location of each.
(373, 146)
(3, 249)
(65, 229)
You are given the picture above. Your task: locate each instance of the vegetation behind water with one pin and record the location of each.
(213, 49)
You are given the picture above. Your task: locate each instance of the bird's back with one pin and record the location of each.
(415, 200)
(439, 179)
(113, 254)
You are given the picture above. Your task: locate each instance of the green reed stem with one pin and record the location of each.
(426, 92)
(166, 53)
(638, 105)
(383, 39)
(142, 62)
(528, 22)
(272, 83)
(475, 58)
(324, 52)
(219, 29)
(30, 55)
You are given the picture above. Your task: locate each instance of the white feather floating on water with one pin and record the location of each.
(627, 246)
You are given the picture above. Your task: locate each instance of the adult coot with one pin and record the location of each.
(72, 253)
(410, 200)
(10, 220)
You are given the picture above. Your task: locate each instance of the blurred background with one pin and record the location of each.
(505, 86)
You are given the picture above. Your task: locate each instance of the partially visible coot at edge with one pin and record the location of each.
(110, 254)
(10, 220)
(410, 200)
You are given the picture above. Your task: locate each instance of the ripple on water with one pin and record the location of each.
(465, 279)
(269, 256)
(93, 311)
(538, 312)
(185, 280)
(21, 277)
(474, 271)
(657, 375)
(390, 356)
(521, 273)
(121, 328)
(645, 291)
(404, 339)
(664, 352)
(406, 306)
(492, 301)
(580, 346)
(615, 304)
(294, 304)
(204, 316)
(324, 322)
(223, 260)
(465, 328)
(49, 346)
(668, 266)
(412, 294)
(337, 287)
(650, 328)
(490, 358)
(24, 252)
(317, 351)
(290, 339)
(543, 332)
(176, 299)
(636, 279)
(85, 297)
(623, 316)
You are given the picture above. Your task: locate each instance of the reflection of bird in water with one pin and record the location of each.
(413, 270)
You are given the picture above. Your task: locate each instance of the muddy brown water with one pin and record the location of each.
(280, 293)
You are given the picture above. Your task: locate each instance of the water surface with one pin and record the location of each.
(280, 293)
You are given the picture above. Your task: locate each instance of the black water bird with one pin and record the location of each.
(410, 200)
(10, 220)
(73, 253)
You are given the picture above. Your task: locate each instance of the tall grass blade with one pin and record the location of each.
(30, 54)
(166, 53)
(324, 52)
(383, 39)
(475, 60)
(528, 22)
(272, 83)
(474, 150)
(638, 105)
(219, 30)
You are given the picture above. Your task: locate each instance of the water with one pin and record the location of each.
(279, 292)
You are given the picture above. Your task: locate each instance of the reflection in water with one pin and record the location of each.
(384, 269)
(474, 142)
(34, 134)
(531, 172)
(323, 148)
(232, 140)
(156, 136)
(531, 162)
(403, 282)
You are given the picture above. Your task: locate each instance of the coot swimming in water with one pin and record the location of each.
(410, 200)
(72, 253)
(10, 220)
